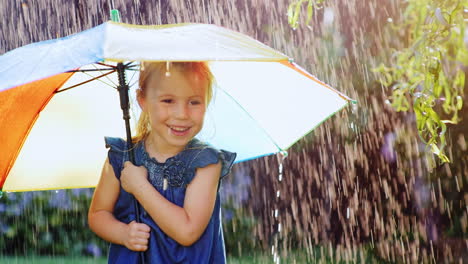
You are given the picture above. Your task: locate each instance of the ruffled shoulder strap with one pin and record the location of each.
(117, 153)
(200, 155)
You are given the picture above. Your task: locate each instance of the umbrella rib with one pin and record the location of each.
(131, 78)
(107, 65)
(251, 117)
(113, 84)
(90, 70)
(87, 81)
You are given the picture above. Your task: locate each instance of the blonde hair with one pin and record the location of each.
(147, 69)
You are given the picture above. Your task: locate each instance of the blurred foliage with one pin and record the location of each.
(295, 8)
(426, 75)
(55, 223)
(48, 223)
(238, 227)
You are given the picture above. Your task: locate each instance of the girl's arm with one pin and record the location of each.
(102, 221)
(183, 224)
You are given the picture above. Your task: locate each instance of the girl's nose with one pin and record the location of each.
(181, 111)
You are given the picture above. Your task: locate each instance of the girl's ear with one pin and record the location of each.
(141, 99)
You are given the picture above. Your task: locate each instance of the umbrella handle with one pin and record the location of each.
(124, 104)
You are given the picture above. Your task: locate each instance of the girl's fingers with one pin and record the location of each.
(141, 242)
(144, 227)
(144, 235)
(140, 248)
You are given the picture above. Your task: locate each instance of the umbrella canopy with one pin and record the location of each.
(52, 136)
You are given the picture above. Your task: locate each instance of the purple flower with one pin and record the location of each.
(237, 189)
(227, 214)
(14, 209)
(388, 148)
(78, 192)
(93, 250)
(60, 199)
(4, 228)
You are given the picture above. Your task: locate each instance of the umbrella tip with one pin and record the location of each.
(115, 15)
(284, 153)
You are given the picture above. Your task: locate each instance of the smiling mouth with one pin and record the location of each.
(179, 131)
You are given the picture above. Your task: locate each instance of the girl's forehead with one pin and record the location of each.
(177, 83)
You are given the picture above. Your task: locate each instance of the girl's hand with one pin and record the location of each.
(137, 236)
(133, 178)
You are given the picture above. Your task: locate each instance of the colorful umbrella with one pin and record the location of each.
(58, 98)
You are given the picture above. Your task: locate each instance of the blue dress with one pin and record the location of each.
(179, 172)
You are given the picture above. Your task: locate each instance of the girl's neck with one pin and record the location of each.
(158, 151)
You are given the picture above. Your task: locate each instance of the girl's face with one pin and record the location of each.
(176, 108)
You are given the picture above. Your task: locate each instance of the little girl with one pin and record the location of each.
(175, 179)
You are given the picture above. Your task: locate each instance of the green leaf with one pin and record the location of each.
(291, 13)
(459, 101)
(297, 11)
(310, 11)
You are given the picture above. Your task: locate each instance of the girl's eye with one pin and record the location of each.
(167, 101)
(195, 102)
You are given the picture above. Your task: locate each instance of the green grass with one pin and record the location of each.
(89, 260)
(50, 260)
(258, 258)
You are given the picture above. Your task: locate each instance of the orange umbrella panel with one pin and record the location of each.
(19, 108)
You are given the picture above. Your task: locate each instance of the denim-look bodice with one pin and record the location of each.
(179, 172)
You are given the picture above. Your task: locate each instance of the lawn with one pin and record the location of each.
(50, 260)
(88, 260)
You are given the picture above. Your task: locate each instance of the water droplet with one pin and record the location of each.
(276, 213)
(56, 191)
(347, 213)
(390, 20)
(279, 227)
(387, 102)
(278, 194)
(328, 17)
